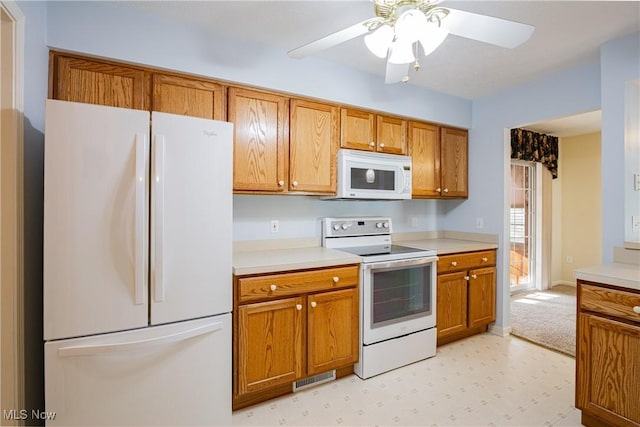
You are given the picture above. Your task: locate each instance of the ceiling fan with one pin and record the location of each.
(402, 28)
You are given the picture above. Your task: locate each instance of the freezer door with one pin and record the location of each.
(95, 219)
(178, 375)
(191, 217)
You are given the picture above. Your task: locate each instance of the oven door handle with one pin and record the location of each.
(400, 263)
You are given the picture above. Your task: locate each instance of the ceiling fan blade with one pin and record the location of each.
(396, 72)
(331, 40)
(487, 29)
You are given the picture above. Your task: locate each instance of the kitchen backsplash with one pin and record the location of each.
(299, 216)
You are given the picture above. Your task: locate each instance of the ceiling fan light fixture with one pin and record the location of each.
(401, 52)
(409, 25)
(431, 37)
(379, 41)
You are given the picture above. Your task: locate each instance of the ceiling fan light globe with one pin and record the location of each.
(410, 24)
(431, 37)
(378, 41)
(401, 52)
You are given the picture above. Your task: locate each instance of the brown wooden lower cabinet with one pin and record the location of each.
(289, 326)
(466, 294)
(608, 355)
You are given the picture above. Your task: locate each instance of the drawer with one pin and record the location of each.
(465, 261)
(611, 302)
(301, 282)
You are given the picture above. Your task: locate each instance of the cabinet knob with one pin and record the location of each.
(438, 190)
(485, 259)
(295, 183)
(298, 307)
(446, 190)
(381, 145)
(273, 287)
(636, 309)
(280, 183)
(336, 279)
(314, 304)
(474, 276)
(372, 144)
(454, 263)
(466, 277)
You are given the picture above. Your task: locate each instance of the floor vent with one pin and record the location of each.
(314, 380)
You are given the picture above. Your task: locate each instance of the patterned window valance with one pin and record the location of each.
(535, 147)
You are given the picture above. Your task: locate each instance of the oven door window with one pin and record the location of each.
(401, 294)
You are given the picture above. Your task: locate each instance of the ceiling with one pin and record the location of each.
(567, 34)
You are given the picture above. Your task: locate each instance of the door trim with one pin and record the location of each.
(12, 372)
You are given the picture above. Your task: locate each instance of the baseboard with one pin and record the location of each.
(500, 331)
(563, 282)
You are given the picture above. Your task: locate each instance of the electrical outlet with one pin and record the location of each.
(569, 259)
(414, 221)
(635, 223)
(275, 226)
(479, 222)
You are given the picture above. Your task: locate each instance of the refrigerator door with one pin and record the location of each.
(191, 217)
(95, 219)
(178, 374)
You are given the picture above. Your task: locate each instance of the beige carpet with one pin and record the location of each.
(547, 317)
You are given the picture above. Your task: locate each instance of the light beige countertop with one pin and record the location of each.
(273, 260)
(448, 246)
(615, 274)
(269, 256)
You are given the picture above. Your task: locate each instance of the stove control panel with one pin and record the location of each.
(364, 226)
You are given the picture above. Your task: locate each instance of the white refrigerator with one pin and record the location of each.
(137, 267)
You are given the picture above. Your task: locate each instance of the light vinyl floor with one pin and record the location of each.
(484, 380)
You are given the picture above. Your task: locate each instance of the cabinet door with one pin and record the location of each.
(332, 326)
(188, 97)
(261, 139)
(391, 135)
(95, 82)
(608, 378)
(314, 140)
(270, 344)
(424, 149)
(454, 156)
(357, 129)
(482, 296)
(451, 308)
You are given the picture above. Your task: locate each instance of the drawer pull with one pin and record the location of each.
(314, 304)
(298, 307)
(474, 276)
(466, 277)
(273, 287)
(381, 145)
(336, 279)
(485, 259)
(372, 144)
(636, 309)
(454, 263)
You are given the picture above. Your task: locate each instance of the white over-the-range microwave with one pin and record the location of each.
(373, 176)
(376, 176)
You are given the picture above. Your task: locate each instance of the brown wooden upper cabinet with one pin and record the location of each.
(313, 139)
(364, 130)
(261, 140)
(97, 82)
(439, 161)
(454, 162)
(188, 97)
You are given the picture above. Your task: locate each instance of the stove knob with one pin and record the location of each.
(378, 225)
(336, 227)
(385, 225)
(345, 226)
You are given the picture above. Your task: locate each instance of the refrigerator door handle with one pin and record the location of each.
(158, 218)
(140, 229)
(92, 350)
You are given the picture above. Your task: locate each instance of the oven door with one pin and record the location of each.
(398, 298)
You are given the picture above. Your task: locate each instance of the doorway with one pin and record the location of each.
(522, 226)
